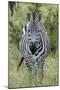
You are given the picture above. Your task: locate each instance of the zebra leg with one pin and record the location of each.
(29, 66)
(34, 76)
(42, 67)
(40, 70)
(32, 71)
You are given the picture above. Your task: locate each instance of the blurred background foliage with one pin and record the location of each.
(49, 17)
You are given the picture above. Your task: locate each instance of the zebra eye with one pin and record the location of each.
(28, 30)
(30, 42)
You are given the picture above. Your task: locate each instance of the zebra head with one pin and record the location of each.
(35, 41)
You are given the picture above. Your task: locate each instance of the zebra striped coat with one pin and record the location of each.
(34, 44)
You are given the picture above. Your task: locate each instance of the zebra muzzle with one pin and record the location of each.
(32, 47)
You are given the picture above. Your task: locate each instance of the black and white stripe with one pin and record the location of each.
(34, 44)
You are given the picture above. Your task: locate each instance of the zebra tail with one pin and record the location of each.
(20, 63)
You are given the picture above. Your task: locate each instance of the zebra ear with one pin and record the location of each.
(30, 17)
(37, 16)
(34, 16)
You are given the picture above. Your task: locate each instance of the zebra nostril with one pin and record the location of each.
(32, 47)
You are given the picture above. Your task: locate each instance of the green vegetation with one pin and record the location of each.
(49, 17)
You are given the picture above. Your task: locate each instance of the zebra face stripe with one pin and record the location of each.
(36, 46)
(32, 47)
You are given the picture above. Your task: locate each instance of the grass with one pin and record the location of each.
(20, 78)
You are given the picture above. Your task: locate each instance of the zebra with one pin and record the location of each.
(34, 44)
